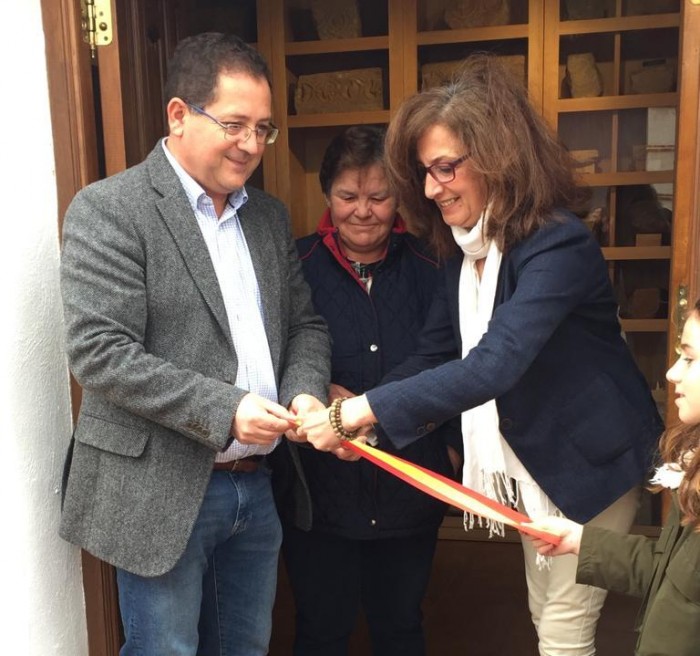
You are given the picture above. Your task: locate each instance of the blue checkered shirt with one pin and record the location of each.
(239, 287)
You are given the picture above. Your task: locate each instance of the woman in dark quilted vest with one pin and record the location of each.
(371, 538)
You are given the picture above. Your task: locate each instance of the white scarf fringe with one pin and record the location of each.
(490, 465)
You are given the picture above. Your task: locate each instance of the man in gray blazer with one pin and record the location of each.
(191, 331)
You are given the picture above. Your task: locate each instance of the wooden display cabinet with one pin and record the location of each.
(398, 37)
(629, 124)
(624, 134)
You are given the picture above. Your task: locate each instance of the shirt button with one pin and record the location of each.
(373, 522)
(373, 348)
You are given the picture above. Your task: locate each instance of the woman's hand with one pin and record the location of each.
(569, 531)
(316, 427)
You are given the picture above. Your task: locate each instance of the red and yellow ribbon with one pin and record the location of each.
(449, 491)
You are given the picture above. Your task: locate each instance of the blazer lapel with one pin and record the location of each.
(177, 214)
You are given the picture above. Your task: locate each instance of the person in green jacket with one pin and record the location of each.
(664, 572)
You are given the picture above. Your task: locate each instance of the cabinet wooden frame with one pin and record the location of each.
(538, 32)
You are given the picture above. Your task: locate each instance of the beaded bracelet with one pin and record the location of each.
(336, 422)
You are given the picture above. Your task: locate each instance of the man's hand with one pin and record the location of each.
(301, 405)
(259, 420)
(338, 392)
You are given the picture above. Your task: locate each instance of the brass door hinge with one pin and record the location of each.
(96, 21)
(678, 316)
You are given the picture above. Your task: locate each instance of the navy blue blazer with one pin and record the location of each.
(572, 403)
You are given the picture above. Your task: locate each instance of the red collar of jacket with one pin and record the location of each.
(329, 235)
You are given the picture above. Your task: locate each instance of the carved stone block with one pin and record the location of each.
(467, 13)
(340, 91)
(655, 77)
(583, 76)
(336, 19)
(440, 73)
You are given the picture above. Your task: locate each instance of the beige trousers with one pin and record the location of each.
(565, 613)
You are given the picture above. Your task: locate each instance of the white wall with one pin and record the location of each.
(41, 598)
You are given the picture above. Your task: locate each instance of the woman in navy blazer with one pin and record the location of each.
(556, 417)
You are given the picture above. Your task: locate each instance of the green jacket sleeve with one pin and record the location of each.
(620, 563)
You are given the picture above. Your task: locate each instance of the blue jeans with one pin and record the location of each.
(218, 598)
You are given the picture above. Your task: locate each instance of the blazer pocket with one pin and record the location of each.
(111, 436)
(600, 422)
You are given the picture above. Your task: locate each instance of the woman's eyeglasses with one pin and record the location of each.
(444, 171)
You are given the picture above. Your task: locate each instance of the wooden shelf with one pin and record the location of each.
(338, 118)
(615, 253)
(619, 24)
(320, 47)
(623, 178)
(644, 325)
(611, 103)
(492, 33)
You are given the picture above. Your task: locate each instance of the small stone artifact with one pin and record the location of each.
(467, 13)
(583, 76)
(439, 73)
(336, 19)
(354, 90)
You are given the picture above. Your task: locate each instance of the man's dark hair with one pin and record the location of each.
(194, 69)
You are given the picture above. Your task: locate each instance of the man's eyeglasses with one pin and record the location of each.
(264, 134)
(444, 171)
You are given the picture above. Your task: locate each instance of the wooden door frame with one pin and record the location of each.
(687, 180)
(75, 149)
(75, 140)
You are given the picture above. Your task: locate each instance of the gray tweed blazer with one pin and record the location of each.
(148, 340)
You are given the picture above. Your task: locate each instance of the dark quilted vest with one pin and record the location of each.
(371, 334)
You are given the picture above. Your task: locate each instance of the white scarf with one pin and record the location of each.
(490, 466)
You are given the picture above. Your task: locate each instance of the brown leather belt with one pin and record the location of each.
(244, 465)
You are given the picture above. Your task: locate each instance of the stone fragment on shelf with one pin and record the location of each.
(655, 76)
(336, 19)
(355, 90)
(583, 76)
(439, 73)
(467, 13)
